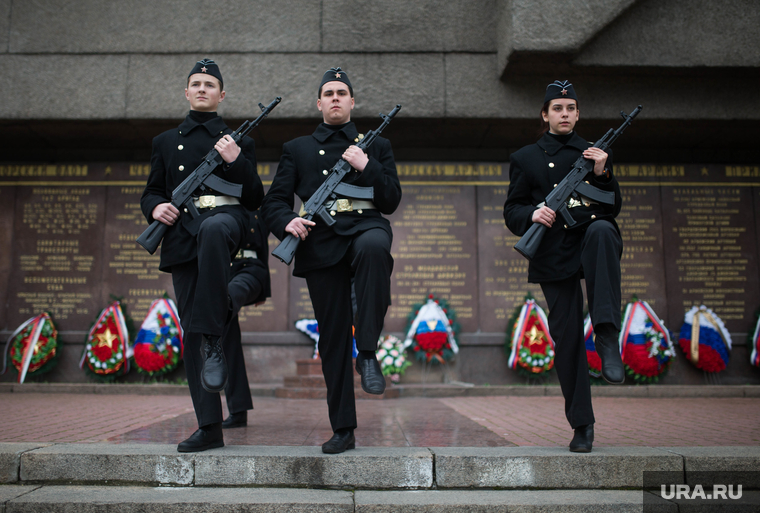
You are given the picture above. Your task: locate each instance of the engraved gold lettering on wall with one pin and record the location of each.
(57, 249)
(44, 171)
(410, 171)
(642, 262)
(712, 252)
(130, 271)
(503, 272)
(434, 249)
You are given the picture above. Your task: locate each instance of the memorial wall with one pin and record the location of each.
(690, 233)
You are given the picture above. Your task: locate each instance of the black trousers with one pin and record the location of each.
(369, 261)
(200, 287)
(243, 289)
(601, 249)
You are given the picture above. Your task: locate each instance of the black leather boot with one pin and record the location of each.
(214, 371)
(236, 420)
(206, 437)
(373, 381)
(608, 349)
(583, 439)
(341, 440)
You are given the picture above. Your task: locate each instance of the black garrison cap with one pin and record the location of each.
(560, 89)
(210, 68)
(336, 74)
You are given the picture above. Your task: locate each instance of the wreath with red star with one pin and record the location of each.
(529, 345)
(107, 350)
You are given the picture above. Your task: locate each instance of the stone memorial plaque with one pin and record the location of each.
(8, 200)
(503, 272)
(58, 234)
(711, 255)
(642, 264)
(272, 315)
(435, 251)
(129, 271)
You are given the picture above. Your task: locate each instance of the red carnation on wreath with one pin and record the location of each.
(107, 350)
(431, 331)
(158, 346)
(33, 347)
(529, 344)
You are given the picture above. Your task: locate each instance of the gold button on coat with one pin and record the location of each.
(324, 171)
(551, 164)
(180, 147)
(181, 168)
(593, 217)
(321, 152)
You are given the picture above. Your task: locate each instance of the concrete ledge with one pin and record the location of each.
(376, 468)
(10, 459)
(718, 459)
(105, 464)
(549, 467)
(384, 468)
(106, 499)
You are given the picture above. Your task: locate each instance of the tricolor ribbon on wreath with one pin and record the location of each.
(158, 346)
(705, 339)
(431, 334)
(754, 357)
(31, 344)
(592, 357)
(646, 344)
(532, 344)
(310, 327)
(107, 352)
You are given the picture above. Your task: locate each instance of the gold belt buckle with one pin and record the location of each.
(207, 202)
(344, 205)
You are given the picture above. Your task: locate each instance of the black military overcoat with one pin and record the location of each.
(176, 154)
(533, 172)
(303, 167)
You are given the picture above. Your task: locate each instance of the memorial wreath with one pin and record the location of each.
(33, 347)
(754, 342)
(705, 339)
(648, 349)
(107, 351)
(529, 345)
(431, 331)
(158, 346)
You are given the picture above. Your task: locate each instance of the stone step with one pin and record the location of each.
(106, 499)
(365, 468)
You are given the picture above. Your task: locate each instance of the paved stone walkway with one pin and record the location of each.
(415, 422)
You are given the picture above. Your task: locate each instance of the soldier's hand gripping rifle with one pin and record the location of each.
(329, 190)
(570, 185)
(202, 177)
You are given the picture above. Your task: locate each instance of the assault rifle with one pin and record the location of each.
(571, 185)
(202, 177)
(329, 191)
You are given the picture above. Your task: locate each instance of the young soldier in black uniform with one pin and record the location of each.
(357, 246)
(590, 249)
(250, 285)
(197, 252)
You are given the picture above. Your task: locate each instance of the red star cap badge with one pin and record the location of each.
(337, 75)
(564, 92)
(203, 69)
